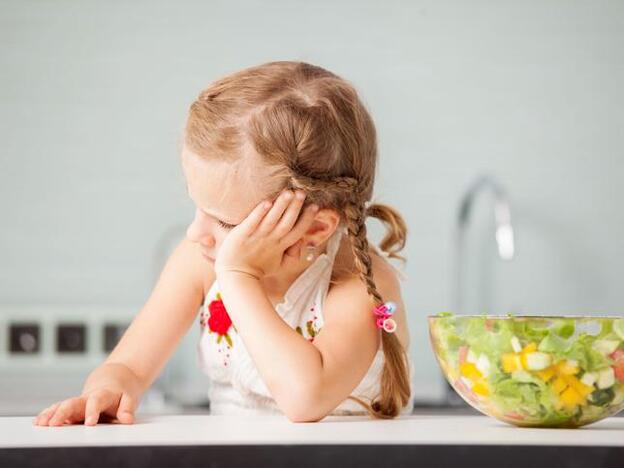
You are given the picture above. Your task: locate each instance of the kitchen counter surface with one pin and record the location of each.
(235, 441)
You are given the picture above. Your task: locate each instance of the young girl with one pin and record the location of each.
(299, 315)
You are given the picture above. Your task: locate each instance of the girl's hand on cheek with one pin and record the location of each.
(256, 246)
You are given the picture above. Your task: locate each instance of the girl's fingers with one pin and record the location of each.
(250, 223)
(68, 409)
(290, 216)
(303, 224)
(273, 216)
(125, 412)
(50, 413)
(44, 416)
(97, 402)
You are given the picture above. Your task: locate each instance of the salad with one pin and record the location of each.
(534, 371)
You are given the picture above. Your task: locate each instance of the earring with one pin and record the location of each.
(310, 252)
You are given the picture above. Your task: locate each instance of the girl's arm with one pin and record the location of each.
(308, 380)
(350, 338)
(115, 387)
(169, 312)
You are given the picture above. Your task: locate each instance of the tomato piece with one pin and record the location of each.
(515, 415)
(463, 354)
(618, 364)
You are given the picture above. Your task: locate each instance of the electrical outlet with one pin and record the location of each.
(24, 338)
(71, 338)
(112, 335)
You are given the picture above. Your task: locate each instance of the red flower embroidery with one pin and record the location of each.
(219, 320)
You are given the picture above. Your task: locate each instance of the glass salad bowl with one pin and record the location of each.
(534, 371)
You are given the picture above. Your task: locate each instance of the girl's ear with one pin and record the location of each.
(324, 225)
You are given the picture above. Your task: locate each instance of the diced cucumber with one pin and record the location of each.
(483, 364)
(515, 344)
(602, 397)
(572, 362)
(605, 346)
(565, 328)
(606, 378)
(589, 378)
(538, 361)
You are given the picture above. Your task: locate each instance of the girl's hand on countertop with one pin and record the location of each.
(111, 394)
(99, 406)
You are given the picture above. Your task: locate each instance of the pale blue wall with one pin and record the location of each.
(94, 96)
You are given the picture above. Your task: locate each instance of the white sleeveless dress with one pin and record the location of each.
(235, 386)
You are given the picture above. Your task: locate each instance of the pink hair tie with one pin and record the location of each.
(384, 311)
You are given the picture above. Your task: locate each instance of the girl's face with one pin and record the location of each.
(224, 193)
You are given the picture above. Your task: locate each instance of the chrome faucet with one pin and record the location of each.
(504, 236)
(504, 233)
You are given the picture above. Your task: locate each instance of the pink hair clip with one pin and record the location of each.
(384, 311)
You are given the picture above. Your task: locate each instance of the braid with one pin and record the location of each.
(341, 186)
(395, 384)
(356, 215)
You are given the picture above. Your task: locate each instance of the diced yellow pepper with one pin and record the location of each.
(480, 388)
(511, 362)
(571, 398)
(547, 373)
(559, 385)
(531, 347)
(470, 371)
(565, 368)
(582, 389)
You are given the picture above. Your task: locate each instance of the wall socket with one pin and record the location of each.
(25, 338)
(32, 334)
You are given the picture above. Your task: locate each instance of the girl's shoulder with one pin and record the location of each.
(347, 283)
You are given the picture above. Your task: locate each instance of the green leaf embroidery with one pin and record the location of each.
(298, 329)
(311, 331)
(219, 339)
(228, 339)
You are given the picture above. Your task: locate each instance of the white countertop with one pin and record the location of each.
(253, 430)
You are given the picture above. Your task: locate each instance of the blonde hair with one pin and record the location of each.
(311, 128)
